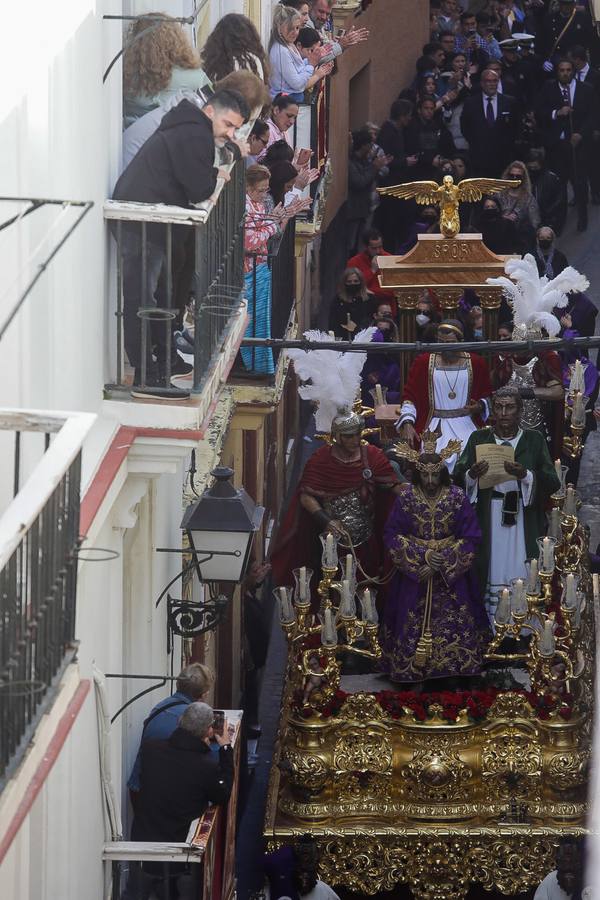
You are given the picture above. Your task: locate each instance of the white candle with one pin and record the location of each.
(349, 567)
(365, 602)
(329, 550)
(547, 644)
(554, 524)
(503, 608)
(570, 591)
(596, 587)
(570, 504)
(558, 468)
(328, 632)
(578, 414)
(302, 585)
(533, 575)
(548, 555)
(577, 382)
(379, 395)
(286, 610)
(519, 600)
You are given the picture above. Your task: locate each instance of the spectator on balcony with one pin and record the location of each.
(176, 167)
(194, 683)
(293, 72)
(351, 310)
(302, 7)
(158, 62)
(234, 43)
(320, 13)
(366, 263)
(257, 140)
(363, 172)
(259, 227)
(284, 112)
(180, 777)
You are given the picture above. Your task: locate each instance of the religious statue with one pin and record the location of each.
(448, 195)
(435, 625)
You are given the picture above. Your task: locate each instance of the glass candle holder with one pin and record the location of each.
(518, 599)
(329, 556)
(328, 629)
(347, 608)
(570, 504)
(283, 596)
(379, 395)
(368, 608)
(569, 598)
(546, 642)
(533, 578)
(502, 615)
(547, 547)
(302, 578)
(561, 471)
(554, 529)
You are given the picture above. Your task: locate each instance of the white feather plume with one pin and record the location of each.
(532, 297)
(333, 376)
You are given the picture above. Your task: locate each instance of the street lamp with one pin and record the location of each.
(220, 527)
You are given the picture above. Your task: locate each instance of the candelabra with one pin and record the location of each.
(547, 604)
(315, 669)
(575, 412)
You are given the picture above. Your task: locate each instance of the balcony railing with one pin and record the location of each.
(280, 260)
(169, 258)
(39, 540)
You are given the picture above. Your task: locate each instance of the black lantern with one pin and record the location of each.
(220, 527)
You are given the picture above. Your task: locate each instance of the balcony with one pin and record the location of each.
(176, 267)
(39, 542)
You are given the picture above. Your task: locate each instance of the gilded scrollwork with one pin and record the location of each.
(362, 750)
(568, 770)
(305, 771)
(511, 866)
(511, 764)
(436, 774)
(362, 707)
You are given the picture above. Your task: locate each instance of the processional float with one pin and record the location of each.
(441, 790)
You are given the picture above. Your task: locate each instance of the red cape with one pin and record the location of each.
(325, 477)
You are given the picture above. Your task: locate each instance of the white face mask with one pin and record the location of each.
(421, 319)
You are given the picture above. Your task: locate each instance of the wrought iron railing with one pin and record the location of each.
(170, 258)
(280, 260)
(39, 540)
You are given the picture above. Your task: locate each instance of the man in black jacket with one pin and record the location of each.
(180, 776)
(549, 191)
(567, 112)
(391, 217)
(488, 122)
(580, 58)
(175, 166)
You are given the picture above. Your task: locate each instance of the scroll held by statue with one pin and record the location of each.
(495, 455)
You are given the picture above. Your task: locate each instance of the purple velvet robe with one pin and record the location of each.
(459, 623)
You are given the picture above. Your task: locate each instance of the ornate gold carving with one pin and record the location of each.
(511, 867)
(568, 770)
(511, 765)
(511, 706)
(362, 750)
(306, 772)
(436, 775)
(362, 707)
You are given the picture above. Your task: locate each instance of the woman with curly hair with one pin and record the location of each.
(234, 43)
(519, 206)
(159, 61)
(294, 68)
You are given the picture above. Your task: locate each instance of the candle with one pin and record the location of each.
(329, 550)
(570, 504)
(365, 605)
(547, 643)
(347, 606)
(519, 600)
(533, 577)
(570, 591)
(328, 632)
(554, 524)
(548, 555)
(302, 586)
(577, 382)
(596, 588)
(379, 395)
(558, 468)
(349, 567)
(286, 610)
(503, 609)
(578, 414)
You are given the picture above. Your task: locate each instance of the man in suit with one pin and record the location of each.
(579, 56)
(567, 112)
(488, 122)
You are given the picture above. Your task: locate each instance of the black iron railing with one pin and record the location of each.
(281, 262)
(170, 259)
(37, 608)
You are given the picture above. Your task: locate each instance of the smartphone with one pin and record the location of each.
(219, 721)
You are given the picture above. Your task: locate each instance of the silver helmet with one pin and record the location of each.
(346, 422)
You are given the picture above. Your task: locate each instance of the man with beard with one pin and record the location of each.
(566, 881)
(511, 513)
(366, 263)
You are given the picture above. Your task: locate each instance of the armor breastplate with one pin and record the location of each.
(522, 376)
(354, 516)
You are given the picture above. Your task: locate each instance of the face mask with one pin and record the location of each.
(353, 289)
(545, 245)
(421, 319)
(478, 332)
(490, 214)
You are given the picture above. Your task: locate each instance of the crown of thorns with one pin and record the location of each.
(429, 440)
